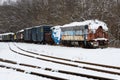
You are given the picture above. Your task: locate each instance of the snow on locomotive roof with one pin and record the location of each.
(93, 24)
(96, 23)
(56, 27)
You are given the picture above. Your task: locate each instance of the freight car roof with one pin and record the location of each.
(39, 26)
(7, 33)
(21, 30)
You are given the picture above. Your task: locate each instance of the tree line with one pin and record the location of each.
(27, 13)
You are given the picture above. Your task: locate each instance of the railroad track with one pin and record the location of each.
(68, 60)
(32, 73)
(28, 72)
(69, 64)
(47, 69)
(83, 62)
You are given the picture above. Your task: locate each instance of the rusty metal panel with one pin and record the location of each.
(48, 38)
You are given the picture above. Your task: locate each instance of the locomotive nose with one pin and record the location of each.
(56, 34)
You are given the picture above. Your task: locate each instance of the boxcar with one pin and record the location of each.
(38, 34)
(27, 35)
(8, 36)
(41, 34)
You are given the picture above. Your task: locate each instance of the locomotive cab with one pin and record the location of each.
(99, 38)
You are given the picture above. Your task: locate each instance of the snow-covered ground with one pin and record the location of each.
(110, 56)
(107, 56)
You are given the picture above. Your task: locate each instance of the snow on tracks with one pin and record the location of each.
(69, 63)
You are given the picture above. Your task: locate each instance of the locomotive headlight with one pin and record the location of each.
(95, 43)
(91, 43)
